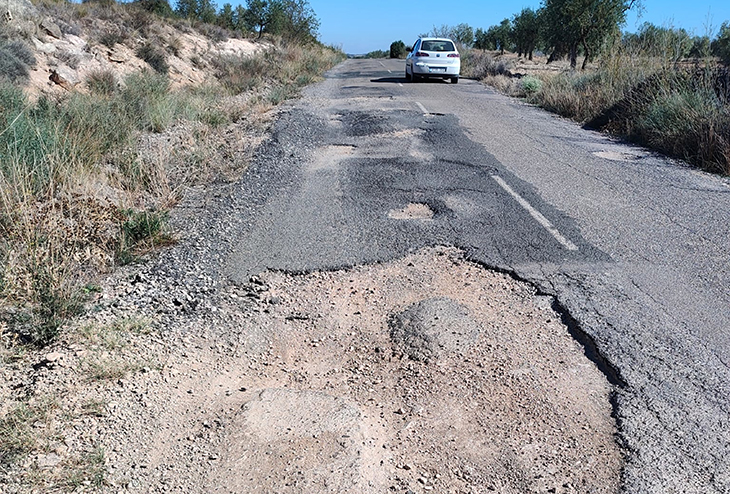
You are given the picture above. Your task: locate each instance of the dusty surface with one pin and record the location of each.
(428, 373)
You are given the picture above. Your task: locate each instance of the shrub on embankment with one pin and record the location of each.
(680, 110)
(683, 113)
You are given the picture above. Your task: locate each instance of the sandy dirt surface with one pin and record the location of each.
(428, 373)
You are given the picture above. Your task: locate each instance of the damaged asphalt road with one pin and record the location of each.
(366, 168)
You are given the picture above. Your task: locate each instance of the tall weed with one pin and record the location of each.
(480, 64)
(282, 70)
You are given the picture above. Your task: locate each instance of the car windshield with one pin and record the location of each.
(437, 46)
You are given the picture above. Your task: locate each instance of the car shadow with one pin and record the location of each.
(392, 80)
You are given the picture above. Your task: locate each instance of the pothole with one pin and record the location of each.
(620, 155)
(328, 158)
(413, 211)
(425, 372)
(305, 438)
(400, 134)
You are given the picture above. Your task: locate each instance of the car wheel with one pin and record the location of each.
(408, 76)
(454, 80)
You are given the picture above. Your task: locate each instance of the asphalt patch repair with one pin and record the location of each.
(427, 373)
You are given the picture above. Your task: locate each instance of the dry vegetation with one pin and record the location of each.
(679, 108)
(87, 175)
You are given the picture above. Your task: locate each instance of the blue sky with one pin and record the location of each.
(363, 26)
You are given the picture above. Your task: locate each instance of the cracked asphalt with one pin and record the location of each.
(645, 289)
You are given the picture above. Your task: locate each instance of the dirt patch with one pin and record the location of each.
(330, 157)
(620, 155)
(429, 373)
(413, 211)
(426, 373)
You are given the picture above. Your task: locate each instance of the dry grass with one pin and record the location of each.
(35, 427)
(77, 193)
(283, 70)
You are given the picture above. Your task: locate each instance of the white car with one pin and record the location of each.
(433, 57)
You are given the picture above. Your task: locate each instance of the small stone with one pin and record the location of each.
(49, 27)
(54, 356)
(47, 461)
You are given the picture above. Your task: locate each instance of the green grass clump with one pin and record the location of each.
(686, 117)
(102, 82)
(142, 231)
(111, 38)
(531, 85)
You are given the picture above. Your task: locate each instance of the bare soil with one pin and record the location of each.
(427, 373)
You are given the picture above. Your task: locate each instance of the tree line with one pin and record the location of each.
(573, 28)
(292, 19)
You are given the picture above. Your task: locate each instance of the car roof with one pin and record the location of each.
(436, 39)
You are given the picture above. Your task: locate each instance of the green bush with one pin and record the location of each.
(398, 49)
(531, 85)
(159, 7)
(377, 54)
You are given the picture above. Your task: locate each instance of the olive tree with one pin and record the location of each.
(721, 44)
(572, 25)
(526, 31)
(398, 49)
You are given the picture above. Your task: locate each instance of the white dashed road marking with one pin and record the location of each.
(536, 214)
(422, 108)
